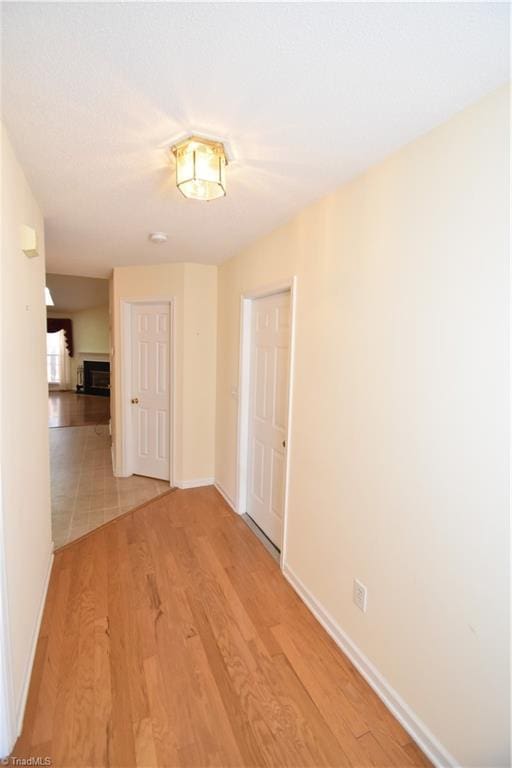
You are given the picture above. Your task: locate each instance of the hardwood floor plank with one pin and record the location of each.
(378, 717)
(324, 696)
(355, 689)
(67, 689)
(171, 639)
(23, 744)
(248, 593)
(42, 661)
(164, 737)
(102, 728)
(171, 652)
(416, 755)
(145, 751)
(122, 744)
(102, 696)
(246, 739)
(304, 725)
(83, 702)
(133, 644)
(44, 714)
(243, 661)
(217, 572)
(374, 754)
(327, 679)
(212, 708)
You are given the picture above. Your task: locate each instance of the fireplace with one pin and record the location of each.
(96, 378)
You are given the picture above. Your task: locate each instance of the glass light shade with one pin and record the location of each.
(200, 168)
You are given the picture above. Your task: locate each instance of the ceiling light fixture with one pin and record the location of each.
(200, 168)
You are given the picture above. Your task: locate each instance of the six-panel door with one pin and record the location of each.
(268, 412)
(150, 390)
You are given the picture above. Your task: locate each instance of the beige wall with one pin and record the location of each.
(398, 452)
(91, 330)
(199, 371)
(91, 334)
(194, 290)
(25, 486)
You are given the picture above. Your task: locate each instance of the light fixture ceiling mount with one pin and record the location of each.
(200, 168)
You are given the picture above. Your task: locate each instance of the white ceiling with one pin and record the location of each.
(307, 95)
(71, 294)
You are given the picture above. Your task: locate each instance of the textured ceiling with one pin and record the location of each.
(307, 95)
(71, 294)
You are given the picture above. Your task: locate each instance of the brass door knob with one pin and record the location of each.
(135, 400)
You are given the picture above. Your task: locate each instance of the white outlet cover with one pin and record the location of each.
(360, 595)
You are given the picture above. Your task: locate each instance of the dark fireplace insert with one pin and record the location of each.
(96, 378)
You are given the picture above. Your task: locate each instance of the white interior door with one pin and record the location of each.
(150, 395)
(268, 412)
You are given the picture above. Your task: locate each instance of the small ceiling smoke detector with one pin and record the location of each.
(158, 237)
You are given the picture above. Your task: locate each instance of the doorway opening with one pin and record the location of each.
(78, 333)
(85, 493)
(265, 398)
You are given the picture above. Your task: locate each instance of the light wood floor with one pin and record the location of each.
(170, 638)
(67, 409)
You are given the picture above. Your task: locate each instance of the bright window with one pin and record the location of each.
(54, 361)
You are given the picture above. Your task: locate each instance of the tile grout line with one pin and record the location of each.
(83, 450)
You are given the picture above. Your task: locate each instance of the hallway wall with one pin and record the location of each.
(194, 289)
(25, 533)
(399, 440)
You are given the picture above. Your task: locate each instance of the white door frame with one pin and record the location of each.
(244, 386)
(125, 370)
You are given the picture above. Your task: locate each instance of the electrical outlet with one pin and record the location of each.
(360, 595)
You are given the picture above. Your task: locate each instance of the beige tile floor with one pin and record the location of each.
(85, 492)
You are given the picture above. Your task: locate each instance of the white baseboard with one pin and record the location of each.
(20, 711)
(198, 483)
(393, 701)
(225, 495)
(113, 457)
(115, 471)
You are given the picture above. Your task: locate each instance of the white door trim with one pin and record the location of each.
(246, 300)
(125, 369)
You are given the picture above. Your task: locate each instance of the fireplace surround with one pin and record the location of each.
(96, 379)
